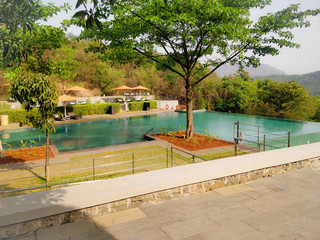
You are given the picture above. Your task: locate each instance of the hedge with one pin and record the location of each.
(17, 115)
(138, 106)
(89, 109)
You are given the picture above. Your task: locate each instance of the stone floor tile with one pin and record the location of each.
(231, 201)
(119, 231)
(305, 174)
(66, 231)
(305, 226)
(234, 230)
(188, 228)
(118, 217)
(239, 188)
(201, 201)
(185, 212)
(270, 221)
(194, 237)
(263, 191)
(283, 234)
(142, 225)
(224, 216)
(31, 236)
(96, 235)
(154, 234)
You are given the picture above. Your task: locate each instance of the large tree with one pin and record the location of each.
(187, 36)
(35, 90)
(21, 35)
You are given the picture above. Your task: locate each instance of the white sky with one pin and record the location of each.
(292, 61)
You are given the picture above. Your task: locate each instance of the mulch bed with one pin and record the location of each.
(25, 155)
(198, 142)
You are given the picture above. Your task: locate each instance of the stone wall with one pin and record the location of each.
(154, 197)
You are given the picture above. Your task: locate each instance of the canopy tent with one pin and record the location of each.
(65, 98)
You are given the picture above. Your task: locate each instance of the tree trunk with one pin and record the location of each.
(47, 172)
(189, 97)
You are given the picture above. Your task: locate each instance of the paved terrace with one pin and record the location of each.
(280, 207)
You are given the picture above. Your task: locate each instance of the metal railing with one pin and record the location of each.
(259, 138)
(28, 178)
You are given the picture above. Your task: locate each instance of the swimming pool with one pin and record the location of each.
(127, 130)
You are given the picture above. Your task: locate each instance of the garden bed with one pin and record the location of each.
(198, 142)
(25, 155)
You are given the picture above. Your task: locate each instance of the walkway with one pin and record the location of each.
(281, 207)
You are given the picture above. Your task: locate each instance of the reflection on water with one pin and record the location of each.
(127, 130)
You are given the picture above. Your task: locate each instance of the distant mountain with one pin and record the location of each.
(262, 70)
(311, 81)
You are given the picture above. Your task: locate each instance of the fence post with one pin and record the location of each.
(236, 139)
(289, 136)
(132, 163)
(167, 157)
(264, 142)
(192, 158)
(93, 170)
(171, 157)
(258, 138)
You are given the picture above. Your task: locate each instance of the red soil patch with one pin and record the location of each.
(198, 142)
(25, 155)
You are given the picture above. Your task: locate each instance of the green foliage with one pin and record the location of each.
(311, 81)
(20, 34)
(4, 106)
(138, 106)
(90, 109)
(15, 115)
(32, 90)
(284, 100)
(187, 31)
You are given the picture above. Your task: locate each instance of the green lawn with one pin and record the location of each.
(97, 166)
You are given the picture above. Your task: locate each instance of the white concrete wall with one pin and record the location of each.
(167, 104)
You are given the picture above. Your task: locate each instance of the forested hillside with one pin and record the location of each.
(311, 81)
(73, 65)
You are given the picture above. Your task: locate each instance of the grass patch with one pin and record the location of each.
(115, 152)
(214, 156)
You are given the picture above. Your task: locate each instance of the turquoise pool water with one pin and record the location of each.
(120, 131)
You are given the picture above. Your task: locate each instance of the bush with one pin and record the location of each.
(89, 109)
(17, 115)
(138, 106)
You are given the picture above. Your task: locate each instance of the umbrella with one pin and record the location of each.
(141, 88)
(123, 88)
(77, 89)
(65, 98)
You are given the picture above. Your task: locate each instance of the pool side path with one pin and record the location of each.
(42, 204)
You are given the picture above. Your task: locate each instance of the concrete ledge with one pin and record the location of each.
(30, 212)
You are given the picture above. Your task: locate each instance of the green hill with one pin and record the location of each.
(311, 81)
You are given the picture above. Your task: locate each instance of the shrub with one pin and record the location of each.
(138, 106)
(17, 115)
(89, 109)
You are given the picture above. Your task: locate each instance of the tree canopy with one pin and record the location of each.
(21, 35)
(187, 37)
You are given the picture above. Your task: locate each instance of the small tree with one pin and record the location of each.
(35, 90)
(180, 34)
